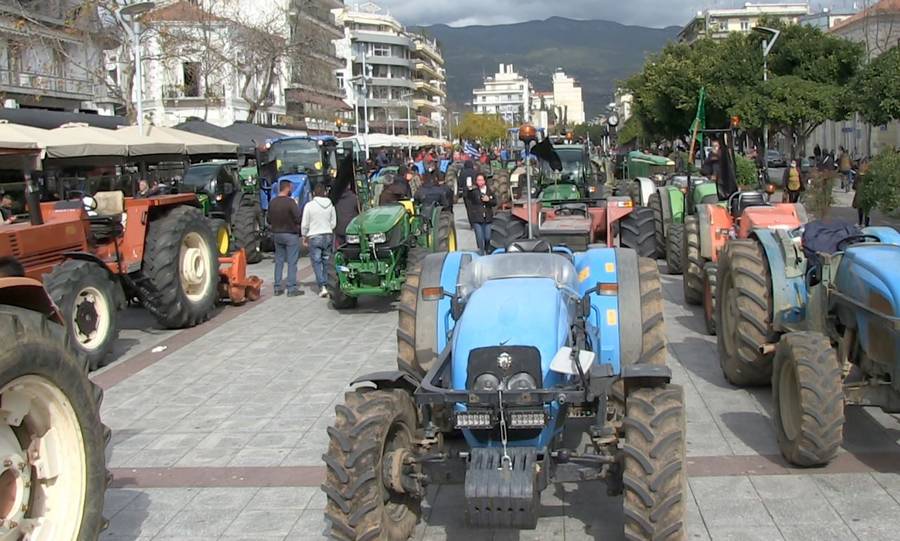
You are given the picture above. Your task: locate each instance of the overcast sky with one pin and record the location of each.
(655, 13)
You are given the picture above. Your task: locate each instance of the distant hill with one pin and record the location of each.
(597, 53)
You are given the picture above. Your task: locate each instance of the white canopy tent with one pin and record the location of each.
(80, 141)
(193, 143)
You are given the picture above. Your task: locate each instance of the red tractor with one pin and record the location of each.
(96, 253)
(707, 232)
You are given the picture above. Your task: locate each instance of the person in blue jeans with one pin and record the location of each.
(481, 202)
(284, 222)
(317, 227)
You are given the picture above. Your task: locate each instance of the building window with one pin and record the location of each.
(340, 80)
(381, 50)
(745, 25)
(191, 74)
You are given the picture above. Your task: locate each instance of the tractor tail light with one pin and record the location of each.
(474, 419)
(608, 289)
(625, 204)
(527, 419)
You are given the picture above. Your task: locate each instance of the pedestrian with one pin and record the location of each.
(317, 228)
(844, 166)
(466, 178)
(712, 167)
(347, 208)
(284, 221)
(394, 190)
(862, 211)
(480, 207)
(817, 154)
(793, 182)
(381, 160)
(6, 209)
(431, 194)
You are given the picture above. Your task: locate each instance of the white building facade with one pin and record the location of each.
(718, 23)
(507, 94)
(567, 99)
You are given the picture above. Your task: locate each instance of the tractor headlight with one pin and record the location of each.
(250, 181)
(378, 238)
(523, 381)
(487, 382)
(352, 239)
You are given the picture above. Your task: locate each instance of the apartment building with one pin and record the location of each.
(568, 99)
(506, 93)
(718, 23)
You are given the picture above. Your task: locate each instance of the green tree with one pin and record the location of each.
(877, 89)
(485, 128)
(881, 187)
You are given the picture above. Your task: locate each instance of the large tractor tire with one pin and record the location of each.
(744, 313)
(417, 320)
(246, 227)
(654, 474)
(89, 300)
(709, 297)
(48, 399)
(501, 188)
(374, 434)
(339, 299)
(444, 232)
(507, 229)
(637, 232)
(674, 248)
(452, 176)
(654, 203)
(182, 268)
(692, 262)
(809, 399)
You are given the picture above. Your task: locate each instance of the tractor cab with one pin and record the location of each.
(216, 183)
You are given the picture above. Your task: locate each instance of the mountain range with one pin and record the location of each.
(598, 54)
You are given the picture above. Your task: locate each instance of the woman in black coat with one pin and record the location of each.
(480, 207)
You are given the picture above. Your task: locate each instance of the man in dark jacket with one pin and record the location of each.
(395, 190)
(284, 220)
(347, 208)
(432, 194)
(480, 203)
(466, 178)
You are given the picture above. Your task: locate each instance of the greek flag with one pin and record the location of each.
(470, 149)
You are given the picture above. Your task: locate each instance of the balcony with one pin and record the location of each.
(426, 86)
(45, 84)
(426, 48)
(427, 69)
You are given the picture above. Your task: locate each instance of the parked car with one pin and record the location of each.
(774, 158)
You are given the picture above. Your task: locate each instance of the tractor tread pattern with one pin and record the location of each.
(821, 399)
(506, 229)
(655, 204)
(637, 231)
(653, 350)
(354, 507)
(710, 280)
(407, 360)
(500, 185)
(674, 247)
(743, 262)
(246, 225)
(654, 477)
(692, 262)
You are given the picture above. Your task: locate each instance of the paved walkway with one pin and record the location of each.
(220, 437)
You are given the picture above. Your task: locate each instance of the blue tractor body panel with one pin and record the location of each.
(599, 266)
(449, 281)
(787, 266)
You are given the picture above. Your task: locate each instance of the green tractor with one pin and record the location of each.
(383, 244)
(230, 199)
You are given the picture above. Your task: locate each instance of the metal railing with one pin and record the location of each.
(39, 83)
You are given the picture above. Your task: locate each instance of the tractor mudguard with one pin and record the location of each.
(29, 294)
(630, 329)
(672, 201)
(389, 379)
(449, 278)
(650, 375)
(787, 267)
(715, 230)
(887, 235)
(703, 213)
(645, 187)
(602, 266)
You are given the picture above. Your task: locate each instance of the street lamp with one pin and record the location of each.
(132, 11)
(767, 43)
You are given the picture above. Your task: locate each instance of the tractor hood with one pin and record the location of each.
(868, 274)
(376, 220)
(560, 192)
(511, 312)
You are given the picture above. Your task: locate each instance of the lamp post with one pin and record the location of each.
(528, 135)
(132, 11)
(767, 44)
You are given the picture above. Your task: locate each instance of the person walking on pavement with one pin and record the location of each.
(844, 166)
(480, 207)
(317, 228)
(793, 182)
(862, 211)
(284, 221)
(347, 208)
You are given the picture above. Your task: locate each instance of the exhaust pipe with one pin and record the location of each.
(33, 198)
(767, 349)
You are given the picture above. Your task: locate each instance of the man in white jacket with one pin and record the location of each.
(317, 228)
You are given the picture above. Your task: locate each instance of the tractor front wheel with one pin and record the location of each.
(709, 297)
(445, 233)
(692, 262)
(674, 247)
(743, 312)
(246, 225)
(654, 476)
(87, 297)
(654, 203)
(54, 445)
(809, 399)
(417, 320)
(637, 232)
(182, 268)
(339, 299)
(372, 481)
(506, 229)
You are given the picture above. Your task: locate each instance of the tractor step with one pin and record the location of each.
(502, 495)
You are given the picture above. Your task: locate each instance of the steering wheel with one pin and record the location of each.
(856, 239)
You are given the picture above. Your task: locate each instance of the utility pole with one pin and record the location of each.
(767, 45)
(132, 11)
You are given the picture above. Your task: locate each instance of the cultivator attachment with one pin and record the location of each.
(234, 284)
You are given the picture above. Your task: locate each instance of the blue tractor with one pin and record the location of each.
(526, 367)
(820, 320)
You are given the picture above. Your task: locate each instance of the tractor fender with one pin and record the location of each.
(703, 220)
(449, 279)
(887, 235)
(604, 266)
(665, 200)
(630, 323)
(647, 374)
(787, 268)
(714, 223)
(646, 187)
(29, 294)
(389, 379)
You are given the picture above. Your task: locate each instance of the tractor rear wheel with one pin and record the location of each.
(339, 299)
(507, 229)
(222, 235)
(654, 472)
(744, 313)
(674, 247)
(445, 233)
(809, 399)
(501, 188)
(692, 262)
(654, 203)
(52, 407)
(370, 481)
(637, 232)
(709, 297)
(246, 225)
(182, 268)
(417, 320)
(87, 296)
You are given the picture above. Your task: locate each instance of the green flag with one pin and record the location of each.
(700, 119)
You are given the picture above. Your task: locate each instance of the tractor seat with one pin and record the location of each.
(518, 265)
(529, 246)
(745, 200)
(107, 223)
